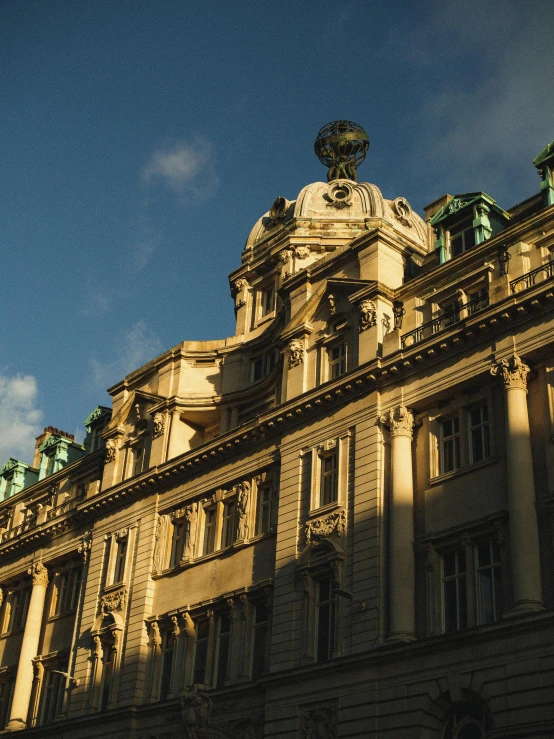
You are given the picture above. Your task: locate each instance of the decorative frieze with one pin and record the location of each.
(399, 421)
(114, 601)
(368, 314)
(319, 528)
(513, 371)
(296, 352)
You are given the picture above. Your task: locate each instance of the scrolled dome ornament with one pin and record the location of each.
(341, 146)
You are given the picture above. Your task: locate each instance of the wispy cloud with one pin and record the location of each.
(186, 167)
(144, 249)
(97, 301)
(510, 107)
(134, 347)
(20, 417)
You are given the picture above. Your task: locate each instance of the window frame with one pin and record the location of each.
(339, 446)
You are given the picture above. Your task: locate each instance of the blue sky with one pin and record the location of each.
(140, 141)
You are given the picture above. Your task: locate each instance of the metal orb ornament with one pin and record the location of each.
(341, 146)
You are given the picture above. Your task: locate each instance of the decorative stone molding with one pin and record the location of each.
(403, 211)
(191, 517)
(159, 425)
(339, 195)
(286, 255)
(319, 723)
(155, 636)
(39, 574)
(85, 545)
(114, 601)
(332, 304)
(111, 450)
(368, 314)
(296, 352)
(399, 421)
(333, 523)
(513, 371)
(196, 712)
(241, 284)
(302, 252)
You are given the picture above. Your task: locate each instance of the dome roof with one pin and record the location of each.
(338, 201)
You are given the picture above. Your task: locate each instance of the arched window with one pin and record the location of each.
(465, 721)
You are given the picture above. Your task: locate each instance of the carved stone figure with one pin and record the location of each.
(111, 449)
(85, 545)
(332, 304)
(285, 255)
(240, 284)
(319, 723)
(398, 312)
(191, 517)
(159, 425)
(368, 314)
(155, 636)
(196, 712)
(39, 573)
(159, 545)
(302, 252)
(334, 523)
(513, 371)
(96, 646)
(243, 491)
(296, 352)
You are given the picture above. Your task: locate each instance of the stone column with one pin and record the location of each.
(400, 423)
(29, 647)
(524, 538)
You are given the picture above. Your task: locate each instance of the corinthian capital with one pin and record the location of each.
(399, 421)
(513, 372)
(39, 574)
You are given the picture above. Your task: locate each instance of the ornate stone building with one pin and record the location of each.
(337, 522)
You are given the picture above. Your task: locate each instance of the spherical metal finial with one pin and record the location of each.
(341, 146)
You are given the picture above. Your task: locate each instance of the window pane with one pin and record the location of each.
(168, 649)
(201, 652)
(223, 652)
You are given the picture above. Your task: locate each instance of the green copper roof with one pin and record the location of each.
(546, 153)
(465, 200)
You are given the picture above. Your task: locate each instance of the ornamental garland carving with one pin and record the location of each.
(319, 723)
(296, 352)
(333, 523)
(39, 574)
(111, 449)
(513, 372)
(114, 601)
(159, 425)
(368, 314)
(399, 421)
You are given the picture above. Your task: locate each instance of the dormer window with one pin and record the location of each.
(462, 237)
(337, 359)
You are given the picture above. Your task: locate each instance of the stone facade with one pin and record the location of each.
(336, 523)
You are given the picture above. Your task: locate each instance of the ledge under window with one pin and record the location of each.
(462, 470)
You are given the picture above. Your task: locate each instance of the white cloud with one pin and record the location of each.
(186, 167)
(135, 347)
(19, 417)
(144, 250)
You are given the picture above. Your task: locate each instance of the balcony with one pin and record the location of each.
(541, 274)
(444, 321)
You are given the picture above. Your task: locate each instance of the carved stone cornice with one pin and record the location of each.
(39, 573)
(513, 371)
(114, 601)
(399, 421)
(332, 523)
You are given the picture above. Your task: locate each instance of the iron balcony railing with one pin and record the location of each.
(545, 272)
(442, 322)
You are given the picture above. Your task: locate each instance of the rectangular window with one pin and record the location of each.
(224, 643)
(462, 237)
(337, 360)
(259, 647)
(450, 314)
(229, 527)
(209, 530)
(325, 619)
(168, 651)
(177, 542)
(329, 485)
(138, 459)
(67, 591)
(263, 520)
(454, 585)
(477, 300)
(257, 368)
(120, 558)
(52, 695)
(267, 301)
(201, 652)
(489, 582)
(18, 604)
(450, 445)
(107, 675)
(478, 423)
(6, 692)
